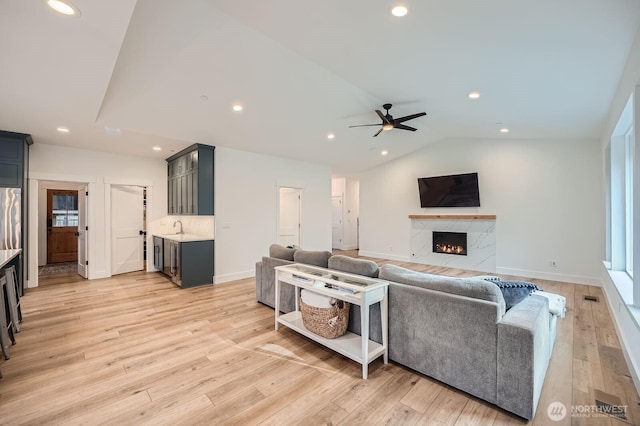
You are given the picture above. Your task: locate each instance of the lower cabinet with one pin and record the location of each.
(158, 248)
(196, 263)
(188, 264)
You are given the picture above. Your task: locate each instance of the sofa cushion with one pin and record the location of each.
(315, 258)
(367, 268)
(514, 292)
(280, 252)
(468, 287)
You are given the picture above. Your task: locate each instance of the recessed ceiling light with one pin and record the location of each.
(474, 95)
(331, 136)
(157, 148)
(63, 7)
(384, 152)
(62, 129)
(204, 97)
(504, 130)
(399, 10)
(237, 107)
(113, 131)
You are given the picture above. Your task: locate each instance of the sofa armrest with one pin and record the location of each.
(523, 355)
(267, 291)
(258, 281)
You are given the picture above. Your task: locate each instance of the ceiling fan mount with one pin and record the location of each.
(389, 123)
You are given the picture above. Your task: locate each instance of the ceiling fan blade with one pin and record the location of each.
(379, 131)
(382, 116)
(409, 117)
(364, 125)
(403, 127)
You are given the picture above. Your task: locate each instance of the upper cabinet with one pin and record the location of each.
(190, 181)
(14, 159)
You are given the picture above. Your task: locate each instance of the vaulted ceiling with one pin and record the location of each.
(128, 75)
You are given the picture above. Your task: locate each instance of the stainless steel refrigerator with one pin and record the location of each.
(10, 218)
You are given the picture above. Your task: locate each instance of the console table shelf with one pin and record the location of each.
(355, 289)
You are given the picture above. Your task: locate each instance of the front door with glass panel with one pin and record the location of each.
(62, 226)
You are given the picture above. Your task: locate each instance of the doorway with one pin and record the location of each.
(336, 222)
(62, 226)
(127, 228)
(62, 231)
(289, 216)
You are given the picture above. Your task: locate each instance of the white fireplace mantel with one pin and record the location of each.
(481, 240)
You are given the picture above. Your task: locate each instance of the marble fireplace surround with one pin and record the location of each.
(481, 240)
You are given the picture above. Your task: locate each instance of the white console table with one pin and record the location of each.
(355, 289)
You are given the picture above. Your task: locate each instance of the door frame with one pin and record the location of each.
(34, 217)
(108, 182)
(301, 228)
(299, 192)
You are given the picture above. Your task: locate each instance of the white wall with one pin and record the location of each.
(54, 163)
(546, 195)
(624, 315)
(246, 208)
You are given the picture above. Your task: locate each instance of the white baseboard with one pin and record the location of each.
(627, 327)
(576, 279)
(219, 279)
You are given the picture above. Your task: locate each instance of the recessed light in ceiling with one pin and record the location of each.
(157, 148)
(204, 97)
(474, 95)
(504, 130)
(399, 10)
(113, 131)
(331, 136)
(63, 7)
(384, 152)
(62, 129)
(237, 107)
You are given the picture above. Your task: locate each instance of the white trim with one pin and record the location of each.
(32, 219)
(127, 181)
(576, 279)
(219, 279)
(626, 320)
(62, 177)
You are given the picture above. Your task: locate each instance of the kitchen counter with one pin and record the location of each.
(7, 256)
(183, 238)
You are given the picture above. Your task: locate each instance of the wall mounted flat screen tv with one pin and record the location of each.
(449, 191)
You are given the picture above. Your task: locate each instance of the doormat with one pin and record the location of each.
(58, 268)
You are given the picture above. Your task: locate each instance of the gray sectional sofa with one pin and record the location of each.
(456, 330)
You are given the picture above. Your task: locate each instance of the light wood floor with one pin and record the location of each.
(135, 349)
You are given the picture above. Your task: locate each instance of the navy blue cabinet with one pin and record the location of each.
(190, 181)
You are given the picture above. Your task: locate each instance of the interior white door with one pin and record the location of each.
(82, 231)
(336, 222)
(127, 225)
(289, 222)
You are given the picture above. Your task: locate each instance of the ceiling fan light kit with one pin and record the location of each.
(389, 123)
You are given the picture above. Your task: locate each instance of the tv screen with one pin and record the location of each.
(449, 191)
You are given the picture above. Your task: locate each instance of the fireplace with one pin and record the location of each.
(450, 243)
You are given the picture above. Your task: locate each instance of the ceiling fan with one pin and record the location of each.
(388, 122)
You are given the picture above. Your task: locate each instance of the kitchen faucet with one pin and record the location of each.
(174, 225)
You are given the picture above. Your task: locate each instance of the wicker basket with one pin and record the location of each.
(326, 322)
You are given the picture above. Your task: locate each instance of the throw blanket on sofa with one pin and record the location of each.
(557, 303)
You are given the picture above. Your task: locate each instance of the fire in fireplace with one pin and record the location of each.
(450, 243)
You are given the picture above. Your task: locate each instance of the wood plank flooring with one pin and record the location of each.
(135, 349)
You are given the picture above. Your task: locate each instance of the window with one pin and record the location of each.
(628, 198)
(64, 211)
